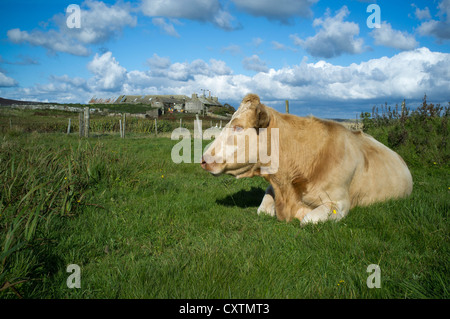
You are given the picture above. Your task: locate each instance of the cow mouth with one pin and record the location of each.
(209, 167)
(215, 170)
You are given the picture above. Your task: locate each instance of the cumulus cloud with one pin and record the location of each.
(334, 38)
(162, 67)
(439, 28)
(109, 75)
(406, 75)
(281, 10)
(198, 10)
(422, 14)
(6, 81)
(389, 37)
(99, 23)
(52, 40)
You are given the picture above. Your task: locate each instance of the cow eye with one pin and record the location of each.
(238, 129)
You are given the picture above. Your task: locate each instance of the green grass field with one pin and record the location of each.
(140, 226)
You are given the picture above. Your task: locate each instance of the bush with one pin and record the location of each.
(420, 137)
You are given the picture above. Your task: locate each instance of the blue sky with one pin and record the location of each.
(320, 55)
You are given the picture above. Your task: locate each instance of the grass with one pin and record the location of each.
(140, 226)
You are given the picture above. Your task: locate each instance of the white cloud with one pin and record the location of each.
(6, 81)
(199, 10)
(158, 65)
(254, 63)
(422, 14)
(406, 75)
(438, 28)
(109, 74)
(334, 38)
(389, 37)
(219, 67)
(281, 10)
(99, 23)
(52, 40)
(162, 67)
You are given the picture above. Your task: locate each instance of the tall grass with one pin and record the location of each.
(37, 185)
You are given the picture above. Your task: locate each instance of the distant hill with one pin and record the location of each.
(4, 102)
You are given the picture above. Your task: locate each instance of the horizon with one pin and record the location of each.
(330, 60)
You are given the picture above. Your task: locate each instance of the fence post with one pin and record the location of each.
(86, 122)
(68, 127)
(287, 106)
(81, 124)
(156, 127)
(120, 128)
(180, 122)
(10, 124)
(123, 125)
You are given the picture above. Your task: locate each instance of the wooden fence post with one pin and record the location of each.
(156, 127)
(120, 129)
(68, 127)
(287, 106)
(123, 124)
(86, 122)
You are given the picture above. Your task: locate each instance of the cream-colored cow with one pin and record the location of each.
(322, 168)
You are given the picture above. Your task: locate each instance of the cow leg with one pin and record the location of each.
(268, 203)
(335, 210)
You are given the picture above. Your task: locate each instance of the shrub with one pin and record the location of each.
(419, 136)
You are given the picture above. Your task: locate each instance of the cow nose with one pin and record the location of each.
(203, 163)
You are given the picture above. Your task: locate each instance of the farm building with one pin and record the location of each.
(200, 104)
(193, 104)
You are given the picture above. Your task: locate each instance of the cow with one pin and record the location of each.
(324, 169)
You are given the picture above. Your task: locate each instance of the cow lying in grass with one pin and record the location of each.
(323, 168)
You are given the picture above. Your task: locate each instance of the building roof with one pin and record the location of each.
(147, 99)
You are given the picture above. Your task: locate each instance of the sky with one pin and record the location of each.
(331, 59)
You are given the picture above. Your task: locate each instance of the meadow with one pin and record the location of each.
(141, 226)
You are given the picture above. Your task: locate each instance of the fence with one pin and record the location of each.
(89, 124)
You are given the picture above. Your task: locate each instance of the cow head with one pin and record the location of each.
(243, 145)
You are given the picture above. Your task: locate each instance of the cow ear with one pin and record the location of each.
(262, 116)
(253, 102)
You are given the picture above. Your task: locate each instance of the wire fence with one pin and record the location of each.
(99, 125)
